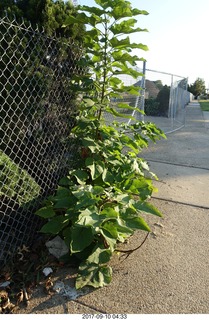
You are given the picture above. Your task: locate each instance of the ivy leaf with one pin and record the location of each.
(107, 176)
(81, 237)
(67, 236)
(109, 212)
(65, 181)
(94, 275)
(137, 223)
(133, 221)
(110, 236)
(147, 208)
(89, 218)
(130, 143)
(62, 192)
(123, 198)
(96, 167)
(100, 255)
(142, 186)
(45, 212)
(98, 190)
(81, 176)
(90, 143)
(117, 230)
(89, 102)
(64, 203)
(55, 225)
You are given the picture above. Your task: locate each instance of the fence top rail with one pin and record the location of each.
(170, 74)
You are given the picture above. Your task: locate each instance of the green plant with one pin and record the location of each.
(163, 101)
(197, 88)
(151, 107)
(16, 183)
(101, 201)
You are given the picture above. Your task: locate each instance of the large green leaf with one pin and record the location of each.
(67, 236)
(109, 212)
(116, 230)
(126, 27)
(120, 56)
(107, 176)
(45, 212)
(117, 114)
(90, 143)
(129, 142)
(142, 187)
(147, 208)
(97, 190)
(64, 202)
(100, 255)
(55, 225)
(81, 176)
(89, 218)
(126, 43)
(137, 223)
(81, 237)
(96, 167)
(95, 10)
(94, 275)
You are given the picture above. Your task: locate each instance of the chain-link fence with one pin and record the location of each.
(37, 112)
(163, 97)
(127, 105)
(166, 97)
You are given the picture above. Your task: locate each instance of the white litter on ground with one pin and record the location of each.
(57, 247)
(69, 292)
(47, 271)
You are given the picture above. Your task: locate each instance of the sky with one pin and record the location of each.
(177, 37)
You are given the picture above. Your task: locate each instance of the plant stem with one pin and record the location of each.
(128, 252)
(105, 68)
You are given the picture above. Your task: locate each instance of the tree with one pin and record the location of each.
(35, 74)
(47, 14)
(197, 88)
(159, 84)
(163, 100)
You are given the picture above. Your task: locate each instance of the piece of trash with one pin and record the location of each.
(47, 271)
(57, 247)
(59, 287)
(69, 292)
(5, 284)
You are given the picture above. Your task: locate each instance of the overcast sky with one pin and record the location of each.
(177, 39)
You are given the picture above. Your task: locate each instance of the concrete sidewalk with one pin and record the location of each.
(169, 273)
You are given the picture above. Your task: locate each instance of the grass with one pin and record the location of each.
(204, 104)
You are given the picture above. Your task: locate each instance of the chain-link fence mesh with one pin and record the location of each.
(166, 97)
(132, 101)
(163, 98)
(37, 112)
